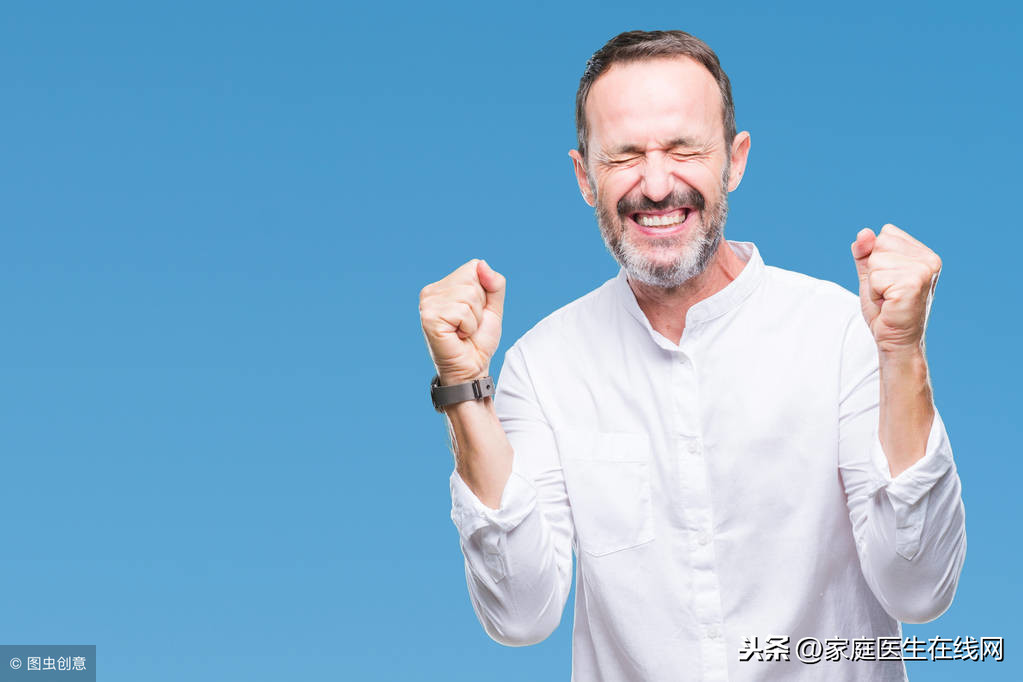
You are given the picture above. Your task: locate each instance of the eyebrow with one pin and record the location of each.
(683, 141)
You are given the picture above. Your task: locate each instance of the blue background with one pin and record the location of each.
(217, 454)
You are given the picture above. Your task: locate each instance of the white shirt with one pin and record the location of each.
(728, 488)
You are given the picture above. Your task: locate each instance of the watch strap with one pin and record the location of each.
(477, 389)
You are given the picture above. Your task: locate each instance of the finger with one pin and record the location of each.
(891, 285)
(465, 273)
(892, 260)
(475, 297)
(460, 317)
(862, 247)
(892, 231)
(895, 240)
(881, 284)
(861, 250)
(494, 284)
(913, 271)
(894, 285)
(898, 242)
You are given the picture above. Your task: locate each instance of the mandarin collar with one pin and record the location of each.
(729, 298)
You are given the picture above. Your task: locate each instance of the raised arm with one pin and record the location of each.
(461, 316)
(508, 497)
(897, 277)
(894, 455)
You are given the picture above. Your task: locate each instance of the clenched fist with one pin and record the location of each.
(897, 278)
(461, 316)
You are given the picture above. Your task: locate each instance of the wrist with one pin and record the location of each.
(901, 357)
(445, 396)
(453, 378)
(904, 373)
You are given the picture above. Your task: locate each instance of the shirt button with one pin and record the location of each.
(703, 538)
(713, 632)
(694, 448)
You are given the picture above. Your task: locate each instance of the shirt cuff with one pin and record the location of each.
(916, 481)
(469, 514)
(908, 491)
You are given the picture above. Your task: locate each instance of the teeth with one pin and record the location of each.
(660, 221)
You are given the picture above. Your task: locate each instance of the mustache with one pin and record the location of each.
(679, 197)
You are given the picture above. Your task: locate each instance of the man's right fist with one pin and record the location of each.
(461, 316)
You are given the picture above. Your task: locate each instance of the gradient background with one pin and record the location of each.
(217, 454)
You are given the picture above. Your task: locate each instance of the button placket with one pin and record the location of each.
(698, 518)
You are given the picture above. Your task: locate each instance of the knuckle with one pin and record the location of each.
(472, 294)
(425, 310)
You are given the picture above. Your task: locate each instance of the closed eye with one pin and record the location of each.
(621, 162)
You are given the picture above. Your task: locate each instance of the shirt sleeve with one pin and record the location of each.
(518, 557)
(910, 530)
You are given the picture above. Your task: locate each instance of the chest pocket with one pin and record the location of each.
(607, 478)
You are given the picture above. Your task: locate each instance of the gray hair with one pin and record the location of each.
(639, 45)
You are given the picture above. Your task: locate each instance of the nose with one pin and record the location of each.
(656, 182)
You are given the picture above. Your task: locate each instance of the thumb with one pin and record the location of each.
(493, 283)
(861, 250)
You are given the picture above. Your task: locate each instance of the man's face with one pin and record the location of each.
(658, 172)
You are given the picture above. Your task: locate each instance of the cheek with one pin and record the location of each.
(705, 180)
(615, 185)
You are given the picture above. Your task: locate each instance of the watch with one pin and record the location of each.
(477, 389)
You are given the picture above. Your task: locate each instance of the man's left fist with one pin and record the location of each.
(897, 279)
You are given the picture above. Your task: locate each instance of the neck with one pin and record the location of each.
(666, 308)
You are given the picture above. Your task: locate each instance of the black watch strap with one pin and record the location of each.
(442, 396)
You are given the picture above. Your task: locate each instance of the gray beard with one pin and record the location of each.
(690, 262)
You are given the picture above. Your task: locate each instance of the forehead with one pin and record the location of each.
(643, 102)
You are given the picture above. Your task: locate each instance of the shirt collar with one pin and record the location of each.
(729, 298)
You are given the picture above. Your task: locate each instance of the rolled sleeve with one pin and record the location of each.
(470, 514)
(908, 492)
(518, 557)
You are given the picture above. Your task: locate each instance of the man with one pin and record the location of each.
(741, 457)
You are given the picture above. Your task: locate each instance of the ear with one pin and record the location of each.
(580, 176)
(740, 153)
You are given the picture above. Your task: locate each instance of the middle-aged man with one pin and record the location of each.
(741, 457)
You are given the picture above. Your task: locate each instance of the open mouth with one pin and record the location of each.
(661, 222)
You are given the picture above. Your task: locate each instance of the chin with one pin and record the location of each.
(661, 259)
